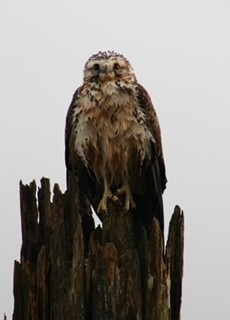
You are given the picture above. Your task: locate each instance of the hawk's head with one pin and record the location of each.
(108, 66)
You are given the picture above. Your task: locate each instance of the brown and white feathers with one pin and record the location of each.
(113, 139)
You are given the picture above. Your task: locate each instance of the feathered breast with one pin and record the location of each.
(111, 132)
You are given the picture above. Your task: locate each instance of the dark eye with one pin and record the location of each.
(116, 67)
(96, 67)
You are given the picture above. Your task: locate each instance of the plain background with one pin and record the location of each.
(180, 51)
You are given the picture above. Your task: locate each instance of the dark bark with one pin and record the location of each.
(116, 273)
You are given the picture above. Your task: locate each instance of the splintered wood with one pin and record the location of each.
(70, 270)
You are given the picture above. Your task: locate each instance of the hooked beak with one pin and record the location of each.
(104, 69)
(106, 74)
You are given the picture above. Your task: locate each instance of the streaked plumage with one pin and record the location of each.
(113, 139)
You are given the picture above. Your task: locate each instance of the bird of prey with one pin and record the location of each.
(113, 147)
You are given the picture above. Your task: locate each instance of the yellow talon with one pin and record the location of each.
(125, 189)
(129, 203)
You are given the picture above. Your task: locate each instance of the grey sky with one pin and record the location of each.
(180, 51)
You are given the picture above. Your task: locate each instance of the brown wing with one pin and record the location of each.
(69, 129)
(80, 180)
(153, 124)
(153, 173)
(76, 173)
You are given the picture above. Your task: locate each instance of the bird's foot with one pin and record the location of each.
(107, 195)
(129, 203)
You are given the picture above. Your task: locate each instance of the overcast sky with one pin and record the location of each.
(180, 51)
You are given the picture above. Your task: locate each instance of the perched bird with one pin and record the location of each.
(113, 147)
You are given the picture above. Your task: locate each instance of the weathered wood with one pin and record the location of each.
(174, 257)
(116, 273)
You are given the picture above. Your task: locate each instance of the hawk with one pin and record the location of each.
(113, 147)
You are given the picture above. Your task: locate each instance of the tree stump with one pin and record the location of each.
(116, 273)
